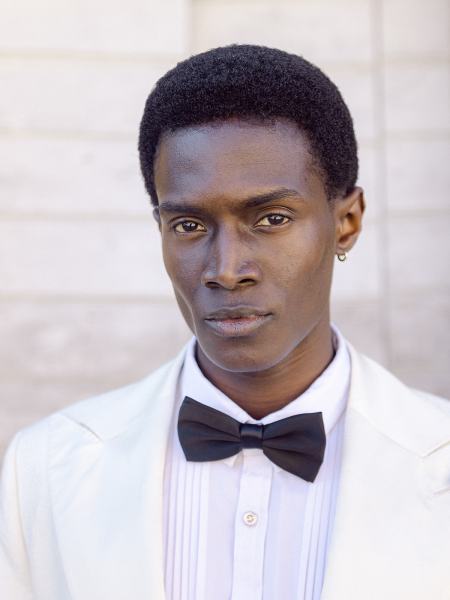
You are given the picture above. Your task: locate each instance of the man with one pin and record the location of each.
(270, 460)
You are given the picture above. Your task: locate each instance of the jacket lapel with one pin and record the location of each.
(390, 526)
(106, 482)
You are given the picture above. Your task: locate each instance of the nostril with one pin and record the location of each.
(247, 281)
(211, 284)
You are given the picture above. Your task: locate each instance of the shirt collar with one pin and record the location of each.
(327, 394)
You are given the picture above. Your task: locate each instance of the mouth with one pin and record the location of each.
(237, 321)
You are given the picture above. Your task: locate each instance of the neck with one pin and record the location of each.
(263, 392)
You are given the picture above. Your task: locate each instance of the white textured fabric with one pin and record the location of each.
(242, 528)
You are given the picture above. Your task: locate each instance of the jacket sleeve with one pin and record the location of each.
(14, 572)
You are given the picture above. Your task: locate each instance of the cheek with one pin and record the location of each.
(177, 263)
(306, 271)
(183, 275)
(316, 241)
(186, 312)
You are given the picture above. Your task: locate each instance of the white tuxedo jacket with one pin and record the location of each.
(81, 507)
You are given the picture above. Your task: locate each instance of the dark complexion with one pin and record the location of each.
(249, 239)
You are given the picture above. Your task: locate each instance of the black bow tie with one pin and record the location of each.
(296, 444)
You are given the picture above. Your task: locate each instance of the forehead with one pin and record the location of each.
(232, 158)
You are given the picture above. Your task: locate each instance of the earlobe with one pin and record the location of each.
(348, 217)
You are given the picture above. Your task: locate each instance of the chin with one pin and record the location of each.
(242, 355)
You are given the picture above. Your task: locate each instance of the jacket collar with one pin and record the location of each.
(110, 414)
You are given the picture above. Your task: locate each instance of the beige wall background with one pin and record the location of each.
(85, 304)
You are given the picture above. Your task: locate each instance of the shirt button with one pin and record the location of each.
(250, 518)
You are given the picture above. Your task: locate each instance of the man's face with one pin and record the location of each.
(248, 237)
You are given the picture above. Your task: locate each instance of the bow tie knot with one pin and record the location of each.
(251, 435)
(296, 444)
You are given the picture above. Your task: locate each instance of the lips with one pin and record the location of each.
(237, 321)
(236, 312)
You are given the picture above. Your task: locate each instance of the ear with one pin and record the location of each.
(157, 217)
(348, 213)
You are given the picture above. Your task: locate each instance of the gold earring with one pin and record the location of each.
(342, 257)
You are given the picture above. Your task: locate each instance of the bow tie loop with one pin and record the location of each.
(251, 435)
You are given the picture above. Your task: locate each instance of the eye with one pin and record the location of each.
(272, 220)
(189, 227)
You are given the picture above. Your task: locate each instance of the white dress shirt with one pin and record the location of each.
(242, 528)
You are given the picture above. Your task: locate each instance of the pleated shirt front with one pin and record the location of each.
(242, 528)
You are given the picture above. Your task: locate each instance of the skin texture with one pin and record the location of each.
(247, 227)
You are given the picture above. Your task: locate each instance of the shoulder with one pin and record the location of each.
(418, 420)
(102, 416)
(64, 443)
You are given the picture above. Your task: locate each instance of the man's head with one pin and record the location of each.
(250, 159)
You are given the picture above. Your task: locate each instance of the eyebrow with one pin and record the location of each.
(268, 197)
(251, 202)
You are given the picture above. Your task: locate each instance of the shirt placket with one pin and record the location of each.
(251, 527)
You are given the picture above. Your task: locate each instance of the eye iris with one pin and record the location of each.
(276, 219)
(189, 226)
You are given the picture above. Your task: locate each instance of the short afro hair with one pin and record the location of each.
(253, 82)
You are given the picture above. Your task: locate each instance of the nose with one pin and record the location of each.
(230, 264)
